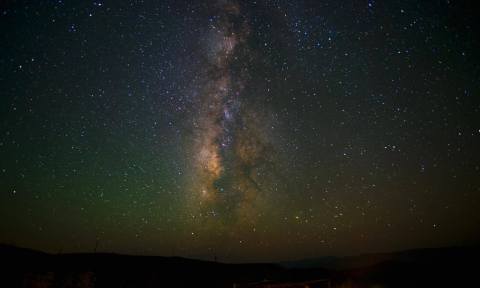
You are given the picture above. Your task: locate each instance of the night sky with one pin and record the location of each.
(246, 130)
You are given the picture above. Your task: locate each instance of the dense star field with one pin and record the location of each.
(239, 130)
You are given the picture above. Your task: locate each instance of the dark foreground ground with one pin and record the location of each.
(443, 267)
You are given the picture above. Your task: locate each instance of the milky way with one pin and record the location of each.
(230, 146)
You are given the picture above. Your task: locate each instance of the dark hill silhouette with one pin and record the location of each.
(115, 270)
(444, 267)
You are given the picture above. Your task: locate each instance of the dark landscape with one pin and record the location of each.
(440, 267)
